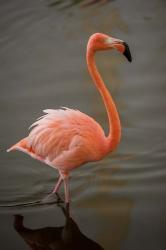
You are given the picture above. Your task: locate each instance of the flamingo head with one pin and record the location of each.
(99, 41)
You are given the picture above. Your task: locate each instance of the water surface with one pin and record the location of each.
(118, 203)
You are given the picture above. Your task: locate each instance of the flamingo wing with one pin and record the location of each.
(64, 138)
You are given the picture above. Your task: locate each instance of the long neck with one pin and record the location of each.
(113, 117)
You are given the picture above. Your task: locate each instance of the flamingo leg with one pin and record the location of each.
(57, 186)
(66, 188)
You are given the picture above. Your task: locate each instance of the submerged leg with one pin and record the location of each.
(51, 198)
(57, 186)
(66, 188)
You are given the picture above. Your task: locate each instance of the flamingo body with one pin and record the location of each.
(66, 138)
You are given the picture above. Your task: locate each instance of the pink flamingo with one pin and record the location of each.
(66, 138)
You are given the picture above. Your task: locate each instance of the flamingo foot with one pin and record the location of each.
(52, 198)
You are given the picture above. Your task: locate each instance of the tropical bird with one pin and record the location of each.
(67, 138)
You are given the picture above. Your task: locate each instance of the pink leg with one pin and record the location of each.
(57, 186)
(66, 188)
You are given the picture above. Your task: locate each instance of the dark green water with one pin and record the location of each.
(118, 203)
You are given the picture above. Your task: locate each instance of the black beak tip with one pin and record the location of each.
(127, 53)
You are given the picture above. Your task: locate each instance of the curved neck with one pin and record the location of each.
(113, 117)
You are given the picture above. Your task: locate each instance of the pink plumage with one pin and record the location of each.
(66, 138)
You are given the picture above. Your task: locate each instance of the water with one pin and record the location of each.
(118, 203)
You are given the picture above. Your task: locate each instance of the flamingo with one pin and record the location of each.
(67, 138)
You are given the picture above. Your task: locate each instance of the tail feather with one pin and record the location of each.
(21, 145)
(24, 147)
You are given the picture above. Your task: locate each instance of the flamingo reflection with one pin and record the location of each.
(67, 237)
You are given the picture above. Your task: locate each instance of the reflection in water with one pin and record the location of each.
(43, 65)
(67, 237)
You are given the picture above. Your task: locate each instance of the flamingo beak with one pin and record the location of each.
(121, 46)
(126, 52)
